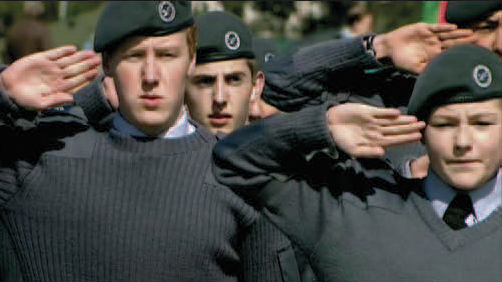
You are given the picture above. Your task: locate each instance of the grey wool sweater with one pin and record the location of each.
(356, 221)
(87, 205)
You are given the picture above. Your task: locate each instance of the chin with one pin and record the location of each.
(465, 186)
(467, 183)
(224, 130)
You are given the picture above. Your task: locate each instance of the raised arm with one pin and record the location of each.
(278, 147)
(304, 77)
(267, 163)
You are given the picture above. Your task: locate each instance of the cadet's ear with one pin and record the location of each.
(258, 86)
(106, 59)
(191, 68)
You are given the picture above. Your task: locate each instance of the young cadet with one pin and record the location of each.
(226, 79)
(360, 226)
(484, 19)
(134, 200)
(225, 83)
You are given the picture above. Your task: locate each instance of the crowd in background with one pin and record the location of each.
(287, 22)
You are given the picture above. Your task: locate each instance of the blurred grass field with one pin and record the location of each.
(77, 31)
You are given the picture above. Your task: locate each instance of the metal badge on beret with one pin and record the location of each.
(123, 19)
(463, 74)
(167, 12)
(482, 76)
(232, 40)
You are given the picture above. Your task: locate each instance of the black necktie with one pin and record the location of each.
(458, 210)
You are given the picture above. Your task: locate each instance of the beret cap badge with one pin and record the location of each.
(167, 12)
(232, 40)
(268, 56)
(482, 76)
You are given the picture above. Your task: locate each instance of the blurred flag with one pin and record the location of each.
(442, 11)
(433, 11)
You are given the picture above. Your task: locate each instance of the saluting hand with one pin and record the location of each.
(48, 79)
(412, 46)
(364, 131)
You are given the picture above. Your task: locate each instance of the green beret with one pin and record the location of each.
(122, 19)
(222, 36)
(462, 74)
(466, 13)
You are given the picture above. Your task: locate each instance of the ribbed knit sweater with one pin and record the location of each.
(341, 71)
(83, 205)
(355, 222)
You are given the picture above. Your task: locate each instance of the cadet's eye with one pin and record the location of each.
(234, 79)
(134, 55)
(486, 26)
(483, 123)
(443, 124)
(204, 81)
(166, 55)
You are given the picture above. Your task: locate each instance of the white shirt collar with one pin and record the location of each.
(181, 127)
(485, 199)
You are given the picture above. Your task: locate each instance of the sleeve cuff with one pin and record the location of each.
(310, 129)
(13, 114)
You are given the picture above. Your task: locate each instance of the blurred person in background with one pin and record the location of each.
(28, 35)
(360, 20)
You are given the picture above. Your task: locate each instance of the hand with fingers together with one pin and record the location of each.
(411, 47)
(456, 37)
(48, 79)
(364, 131)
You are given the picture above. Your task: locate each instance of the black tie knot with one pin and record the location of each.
(458, 210)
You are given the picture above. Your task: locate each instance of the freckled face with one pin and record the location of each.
(150, 75)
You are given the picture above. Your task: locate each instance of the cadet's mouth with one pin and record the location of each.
(219, 118)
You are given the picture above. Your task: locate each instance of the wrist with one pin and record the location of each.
(382, 49)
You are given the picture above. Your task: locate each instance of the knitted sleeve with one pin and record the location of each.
(268, 164)
(300, 79)
(273, 148)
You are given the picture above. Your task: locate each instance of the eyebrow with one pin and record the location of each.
(473, 116)
(237, 72)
